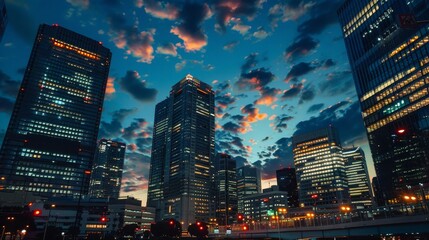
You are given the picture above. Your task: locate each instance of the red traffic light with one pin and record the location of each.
(37, 212)
(171, 222)
(245, 228)
(240, 216)
(314, 196)
(198, 223)
(201, 228)
(103, 219)
(401, 131)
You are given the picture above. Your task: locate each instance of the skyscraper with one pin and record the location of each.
(226, 189)
(51, 138)
(3, 18)
(248, 183)
(286, 181)
(357, 178)
(107, 169)
(320, 169)
(390, 67)
(181, 174)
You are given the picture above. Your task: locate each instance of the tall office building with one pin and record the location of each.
(226, 189)
(390, 66)
(286, 181)
(3, 18)
(52, 135)
(107, 169)
(358, 178)
(320, 169)
(181, 174)
(248, 183)
(379, 199)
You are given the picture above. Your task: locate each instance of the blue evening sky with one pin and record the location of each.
(278, 68)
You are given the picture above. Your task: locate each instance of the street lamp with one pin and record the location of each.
(47, 220)
(346, 209)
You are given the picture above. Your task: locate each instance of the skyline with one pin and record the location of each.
(272, 86)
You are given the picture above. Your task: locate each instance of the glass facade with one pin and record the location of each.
(320, 169)
(107, 169)
(357, 178)
(391, 71)
(248, 183)
(226, 189)
(286, 180)
(181, 175)
(51, 138)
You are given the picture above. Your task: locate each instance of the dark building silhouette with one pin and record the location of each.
(390, 67)
(181, 173)
(320, 169)
(248, 183)
(3, 18)
(378, 194)
(52, 135)
(286, 181)
(226, 189)
(107, 169)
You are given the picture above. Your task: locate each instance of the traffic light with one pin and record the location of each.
(171, 222)
(198, 223)
(245, 228)
(103, 219)
(37, 212)
(240, 218)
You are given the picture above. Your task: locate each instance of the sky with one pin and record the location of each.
(278, 68)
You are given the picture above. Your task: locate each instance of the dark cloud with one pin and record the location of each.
(132, 84)
(303, 68)
(222, 87)
(231, 127)
(345, 116)
(7, 85)
(302, 46)
(337, 83)
(161, 10)
(223, 101)
(228, 9)
(315, 107)
(114, 128)
(20, 19)
(265, 138)
(230, 143)
(190, 29)
(138, 128)
(323, 14)
(268, 96)
(293, 91)
(282, 156)
(250, 62)
(6, 105)
(238, 117)
(255, 79)
(136, 172)
(240, 161)
(280, 122)
(144, 145)
(308, 94)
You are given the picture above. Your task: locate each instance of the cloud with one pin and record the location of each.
(6, 105)
(223, 101)
(250, 62)
(114, 128)
(167, 49)
(110, 86)
(182, 64)
(132, 84)
(289, 10)
(293, 91)
(253, 114)
(231, 45)
(8, 86)
(307, 94)
(228, 142)
(281, 156)
(138, 44)
(255, 79)
(260, 33)
(303, 68)
(265, 138)
(240, 27)
(161, 10)
(268, 96)
(337, 83)
(301, 46)
(190, 30)
(222, 87)
(233, 127)
(228, 9)
(322, 15)
(137, 129)
(136, 172)
(79, 3)
(21, 20)
(280, 122)
(315, 107)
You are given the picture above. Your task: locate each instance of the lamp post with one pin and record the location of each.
(78, 210)
(346, 209)
(2, 232)
(47, 221)
(422, 190)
